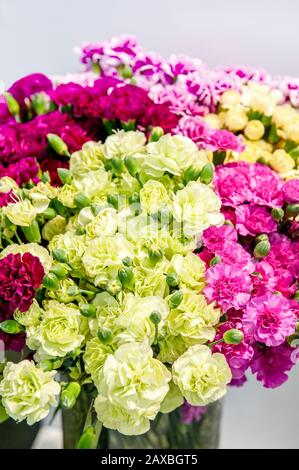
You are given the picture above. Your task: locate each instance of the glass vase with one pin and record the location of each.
(168, 431)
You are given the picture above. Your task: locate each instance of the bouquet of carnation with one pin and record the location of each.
(149, 245)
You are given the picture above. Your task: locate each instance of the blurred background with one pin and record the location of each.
(40, 36)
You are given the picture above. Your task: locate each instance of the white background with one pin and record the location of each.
(39, 36)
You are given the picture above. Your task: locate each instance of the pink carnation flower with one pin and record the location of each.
(191, 413)
(252, 220)
(269, 319)
(272, 364)
(291, 191)
(233, 253)
(215, 237)
(228, 286)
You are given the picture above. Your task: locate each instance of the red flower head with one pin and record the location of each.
(20, 276)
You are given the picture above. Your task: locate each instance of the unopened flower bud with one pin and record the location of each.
(134, 198)
(11, 327)
(41, 103)
(277, 214)
(175, 299)
(80, 231)
(49, 213)
(156, 134)
(60, 270)
(262, 249)
(155, 254)
(32, 233)
(292, 210)
(296, 297)
(155, 317)
(70, 394)
(117, 166)
(105, 335)
(233, 336)
(113, 287)
(172, 279)
(13, 105)
(254, 130)
(125, 71)
(46, 365)
(88, 310)
(87, 439)
(131, 165)
(262, 237)
(207, 173)
(73, 291)
(60, 255)
(51, 281)
(297, 327)
(127, 261)
(46, 177)
(191, 174)
(113, 200)
(126, 277)
(215, 260)
(65, 175)
(58, 145)
(81, 201)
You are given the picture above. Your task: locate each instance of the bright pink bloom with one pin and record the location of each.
(272, 364)
(22, 171)
(20, 276)
(191, 413)
(215, 237)
(228, 286)
(233, 253)
(253, 220)
(269, 319)
(291, 191)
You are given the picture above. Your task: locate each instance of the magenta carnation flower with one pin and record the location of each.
(233, 253)
(20, 276)
(272, 364)
(27, 86)
(232, 183)
(222, 140)
(22, 171)
(269, 319)
(265, 186)
(192, 414)
(252, 220)
(228, 286)
(215, 237)
(291, 191)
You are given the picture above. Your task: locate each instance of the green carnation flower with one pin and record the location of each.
(135, 317)
(193, 319)
(94, 358)
(59, 331)
(124, 144)
(153, 197)
(190, 269)
(196, 207)
(21, 213)
(103, 257)
(27, 392)
(131, 389)
(201, 376)
(89, 158)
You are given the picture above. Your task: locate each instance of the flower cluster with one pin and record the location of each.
(116, 298)
(253, 268)
(149, 236)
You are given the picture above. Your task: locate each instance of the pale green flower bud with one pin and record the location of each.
(88, 310)
(51, 281)
(155, 134)
(207, 173)
(172, 279)
(277, 214)
(54, 227)
(81, 201)
(70, 394)
(32, 232)
(175, 299)
(262, 249)
(11, 327)
(233, 336)
(65, 175)
(13, 105)
(58, 145)
(292, 210)
(126, 277)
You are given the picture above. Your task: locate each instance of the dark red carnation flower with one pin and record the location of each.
(20, 276)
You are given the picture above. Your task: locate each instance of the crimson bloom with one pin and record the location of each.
(20, 277)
